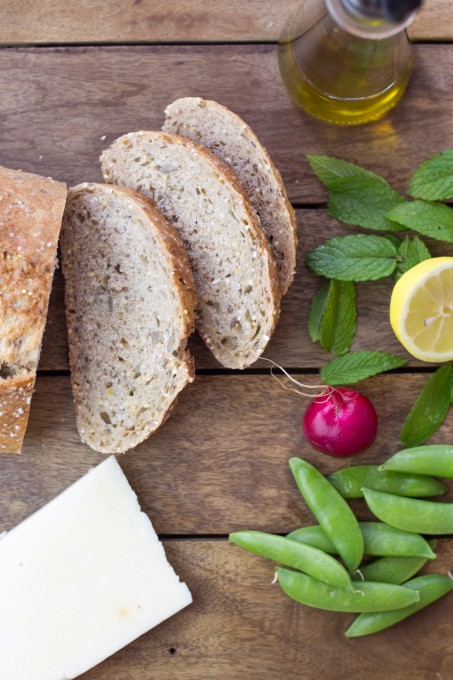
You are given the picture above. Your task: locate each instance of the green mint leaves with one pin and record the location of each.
(430, 409)
(357, 366)
(433, 181)
(356, 196)
(328, 169)
(430, 219)
(332, 318)
(359, 197)
(358, 257)
(412, 251)
(363, 202)
(362, 198)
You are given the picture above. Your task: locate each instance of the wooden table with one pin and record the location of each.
(74, 76)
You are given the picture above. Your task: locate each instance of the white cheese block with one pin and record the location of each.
(80, 579)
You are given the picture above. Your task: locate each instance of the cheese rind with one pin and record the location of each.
(80, 579)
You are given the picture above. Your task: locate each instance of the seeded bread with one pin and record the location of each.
(234, 270)
(229, 137)
(130, 305)
(31, 208)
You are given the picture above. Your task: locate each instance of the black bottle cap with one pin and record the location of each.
(393, 10)
(398, 10)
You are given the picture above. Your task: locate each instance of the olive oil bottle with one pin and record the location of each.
(348, 61)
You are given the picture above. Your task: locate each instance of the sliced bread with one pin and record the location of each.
(31, 208)
(234, 270)
(229, 137)
(130, 305)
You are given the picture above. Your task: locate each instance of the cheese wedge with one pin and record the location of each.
(80, 579)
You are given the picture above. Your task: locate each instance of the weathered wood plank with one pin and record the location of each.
(291, 345)
(55, 122)
(218, 464)
(24, 21)
(240, 626)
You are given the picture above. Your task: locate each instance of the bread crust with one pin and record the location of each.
(256, 232)
(31, 210)
(182, 281)
(241, 125)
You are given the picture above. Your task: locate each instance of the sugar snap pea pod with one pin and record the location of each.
(431, 587)
(350, 481)
(379, 540)
(395, 570)
(367, 597)
(411, 514)
(297, 555)
(434, 459)
(331, 510)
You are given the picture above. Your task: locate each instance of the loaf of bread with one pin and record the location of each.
(31, 208)
(130, 305)
(229, 137)
(234, 270)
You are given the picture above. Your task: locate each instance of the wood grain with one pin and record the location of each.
(25, 21)
(55, 123)
(241, 626)
(217, 465)
(291, 345)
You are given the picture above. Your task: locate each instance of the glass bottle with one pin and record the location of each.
(348, 61)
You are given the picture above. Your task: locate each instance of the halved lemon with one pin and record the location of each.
(421, 310)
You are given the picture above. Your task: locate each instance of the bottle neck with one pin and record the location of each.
(353, 18)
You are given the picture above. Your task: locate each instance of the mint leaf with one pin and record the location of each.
(430, 409)
(358, 257)
(430, 219)
(338, 324)
(328, 168)
(364, 202)
(412, 252)
(357, 366)
(316, 312)
(433, 180)
(393, 239)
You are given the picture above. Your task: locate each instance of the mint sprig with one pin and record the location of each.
(430, 409)
(411, 252)
(360, 197)
(357, 366)
(358, 257)
(328, 169)
(363, 202)
(332, 317)
(316, 312)
(433, 181)
(430, 219)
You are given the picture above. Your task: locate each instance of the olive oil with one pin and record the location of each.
(344, 73)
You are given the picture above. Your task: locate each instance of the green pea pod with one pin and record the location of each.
(431, 587)
(379, 540)
(350, 481)
(367, 597)
(395, 570)
(410, 514)
(296, 555)
(435, 459)
(331, 510)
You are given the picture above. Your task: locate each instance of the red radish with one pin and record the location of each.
(340, 422)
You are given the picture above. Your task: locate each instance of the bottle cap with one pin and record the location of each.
(392, 10)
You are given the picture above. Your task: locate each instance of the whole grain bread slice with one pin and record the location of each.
(228, 136)
(31, 208)
(130, 305)
(234, 270)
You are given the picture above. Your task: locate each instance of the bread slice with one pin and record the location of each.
(31, 208)
(130, 305)
(234, 270)
(228, 136)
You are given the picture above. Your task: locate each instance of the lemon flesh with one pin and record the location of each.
(421, 310)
